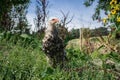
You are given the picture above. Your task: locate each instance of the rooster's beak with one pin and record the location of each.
(56, 20)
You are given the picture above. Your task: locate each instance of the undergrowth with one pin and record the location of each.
(22, 61)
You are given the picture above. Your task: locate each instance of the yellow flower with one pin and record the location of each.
(108, 15)
(104, 20)
(113, 11)
(118, 19)
(115, 7)
(113, 2)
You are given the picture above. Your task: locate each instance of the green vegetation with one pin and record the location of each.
(22, 58)
(22, 61)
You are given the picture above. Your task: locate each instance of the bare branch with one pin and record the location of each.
(65, 19)
(41, 14)
(70, 20)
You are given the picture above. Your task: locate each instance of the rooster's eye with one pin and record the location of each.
(53, 19)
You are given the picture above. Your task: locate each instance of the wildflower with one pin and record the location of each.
(118, 19)
(113, 2)
(113, 11)
(108, 15)
(104, 20)
(115, 7)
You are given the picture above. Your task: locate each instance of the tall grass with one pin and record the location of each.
(19, 60)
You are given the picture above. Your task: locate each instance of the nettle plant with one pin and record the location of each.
(113, 16)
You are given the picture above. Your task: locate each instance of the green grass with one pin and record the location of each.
(18, 62)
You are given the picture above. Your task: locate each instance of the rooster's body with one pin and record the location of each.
(53, 45)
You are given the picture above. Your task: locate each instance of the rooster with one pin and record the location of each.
(53, 45)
